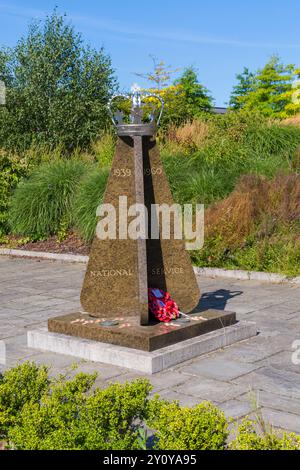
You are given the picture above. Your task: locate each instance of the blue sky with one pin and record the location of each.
(217, 37)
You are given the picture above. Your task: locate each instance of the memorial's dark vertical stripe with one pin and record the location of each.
(153, 247)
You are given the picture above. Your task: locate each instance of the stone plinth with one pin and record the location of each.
(137, 360)
(131, 334)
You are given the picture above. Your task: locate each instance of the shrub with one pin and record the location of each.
(180, 428)
(88, 198)
(42, 204)
(18, 386)
(239, 141)
(57, 88)
(248, 438)
(178, 169)
(273, 139)
(67, 414)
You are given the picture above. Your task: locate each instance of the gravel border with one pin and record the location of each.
(207, 272)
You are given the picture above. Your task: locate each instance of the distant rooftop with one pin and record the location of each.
(219, 110)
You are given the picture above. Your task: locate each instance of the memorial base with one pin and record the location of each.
(137, 360)
(128, 332)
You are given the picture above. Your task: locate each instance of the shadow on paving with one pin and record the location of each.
(217, 299)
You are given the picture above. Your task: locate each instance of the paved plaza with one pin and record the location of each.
(256, 372)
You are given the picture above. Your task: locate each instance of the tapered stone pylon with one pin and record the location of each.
(121, 270)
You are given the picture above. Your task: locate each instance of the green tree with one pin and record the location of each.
(270, 90)
(57, 88)
(245, 85)
(196, 96)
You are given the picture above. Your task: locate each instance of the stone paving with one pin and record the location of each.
(257, 372)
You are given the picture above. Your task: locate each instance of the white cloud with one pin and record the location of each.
(179, 35)
(124, 29)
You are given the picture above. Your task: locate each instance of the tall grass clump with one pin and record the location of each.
(12, 169)
(42, 204)
(273, 139)
(88, 198)
(104, 148)
(189, 136)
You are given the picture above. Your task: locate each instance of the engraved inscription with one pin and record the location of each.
(152, 171)
(122, 172)
(161, 271)
(112, 273)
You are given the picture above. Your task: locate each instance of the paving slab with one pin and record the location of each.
(259, 348)
(280, 382)
(210, 389)
(220, 369)
(270, 400)
(282, 420)
(184, 400)
(281, 361)
(236, 408)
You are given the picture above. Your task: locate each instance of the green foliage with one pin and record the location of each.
(18, 386)
(196, 181)
(196, 98)
(245, 85)
(279, 253)
(87, 200)
(239, 143)
(104, 149)
(142, 438)
(66, 193)
(42, 204)
(12, 169)
(57, 88)
(66, 414)
(249, 439)
(269, 91)
(180, 428)
(272, 254)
